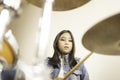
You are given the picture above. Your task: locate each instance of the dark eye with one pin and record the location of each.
(62, 39)
(70, 40)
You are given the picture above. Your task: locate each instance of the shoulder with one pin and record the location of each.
(78, 61)
(47, 60)
(48, 65)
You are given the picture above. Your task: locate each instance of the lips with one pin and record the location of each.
(66, 47)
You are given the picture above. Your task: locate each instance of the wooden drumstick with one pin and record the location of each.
(76, 66)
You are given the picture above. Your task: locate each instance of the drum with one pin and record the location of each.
(10, 50)
(104, 36)
(61, 5)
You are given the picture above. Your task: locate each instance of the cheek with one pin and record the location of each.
(60, 45)
(71, 46)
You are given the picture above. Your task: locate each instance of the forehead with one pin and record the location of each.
(65, 35)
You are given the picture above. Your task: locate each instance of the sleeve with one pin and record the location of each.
(84, 75)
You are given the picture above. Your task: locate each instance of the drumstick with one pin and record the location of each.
(76, 66)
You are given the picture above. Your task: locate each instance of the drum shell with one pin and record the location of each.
(10, 49)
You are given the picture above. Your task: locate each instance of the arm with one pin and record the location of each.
(84, 75)
(80, 73)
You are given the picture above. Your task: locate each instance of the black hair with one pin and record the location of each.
(55, 60)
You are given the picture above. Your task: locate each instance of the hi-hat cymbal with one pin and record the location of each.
(104, 37)
(61, 5)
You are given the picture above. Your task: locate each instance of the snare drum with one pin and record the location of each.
(10, 49)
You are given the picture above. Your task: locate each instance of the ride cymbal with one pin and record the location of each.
(104, 37)
(61, 5)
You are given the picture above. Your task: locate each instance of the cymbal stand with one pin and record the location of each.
(6, 7)
(44, 29)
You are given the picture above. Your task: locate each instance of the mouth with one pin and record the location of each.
(66, 47)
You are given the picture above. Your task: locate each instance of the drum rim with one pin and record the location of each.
(7, 40)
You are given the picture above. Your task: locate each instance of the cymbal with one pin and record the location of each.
(104, 37)
(61, 5)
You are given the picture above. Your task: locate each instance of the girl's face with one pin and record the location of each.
(65, 43)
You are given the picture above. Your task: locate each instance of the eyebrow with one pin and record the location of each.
(62, 37)
(65, 37)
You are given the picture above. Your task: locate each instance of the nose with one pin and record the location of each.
(66, 42)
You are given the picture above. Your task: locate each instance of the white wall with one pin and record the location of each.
(100, 67)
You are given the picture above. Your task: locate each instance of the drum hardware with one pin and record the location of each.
(12, 6)
(9, 50)
(8, 46)
(8, 10)
(61, 5)
(12, 74)
(3, 64)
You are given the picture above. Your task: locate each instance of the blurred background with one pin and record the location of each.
(79, 20)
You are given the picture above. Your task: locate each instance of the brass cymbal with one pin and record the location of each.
(61, 5)
(104, 37)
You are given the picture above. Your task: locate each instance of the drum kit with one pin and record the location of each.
(9, 49)
(102, 38)
(60, 5)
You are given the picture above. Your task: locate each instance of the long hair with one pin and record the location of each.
(55, 60)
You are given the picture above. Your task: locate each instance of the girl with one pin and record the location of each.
(63, 59)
